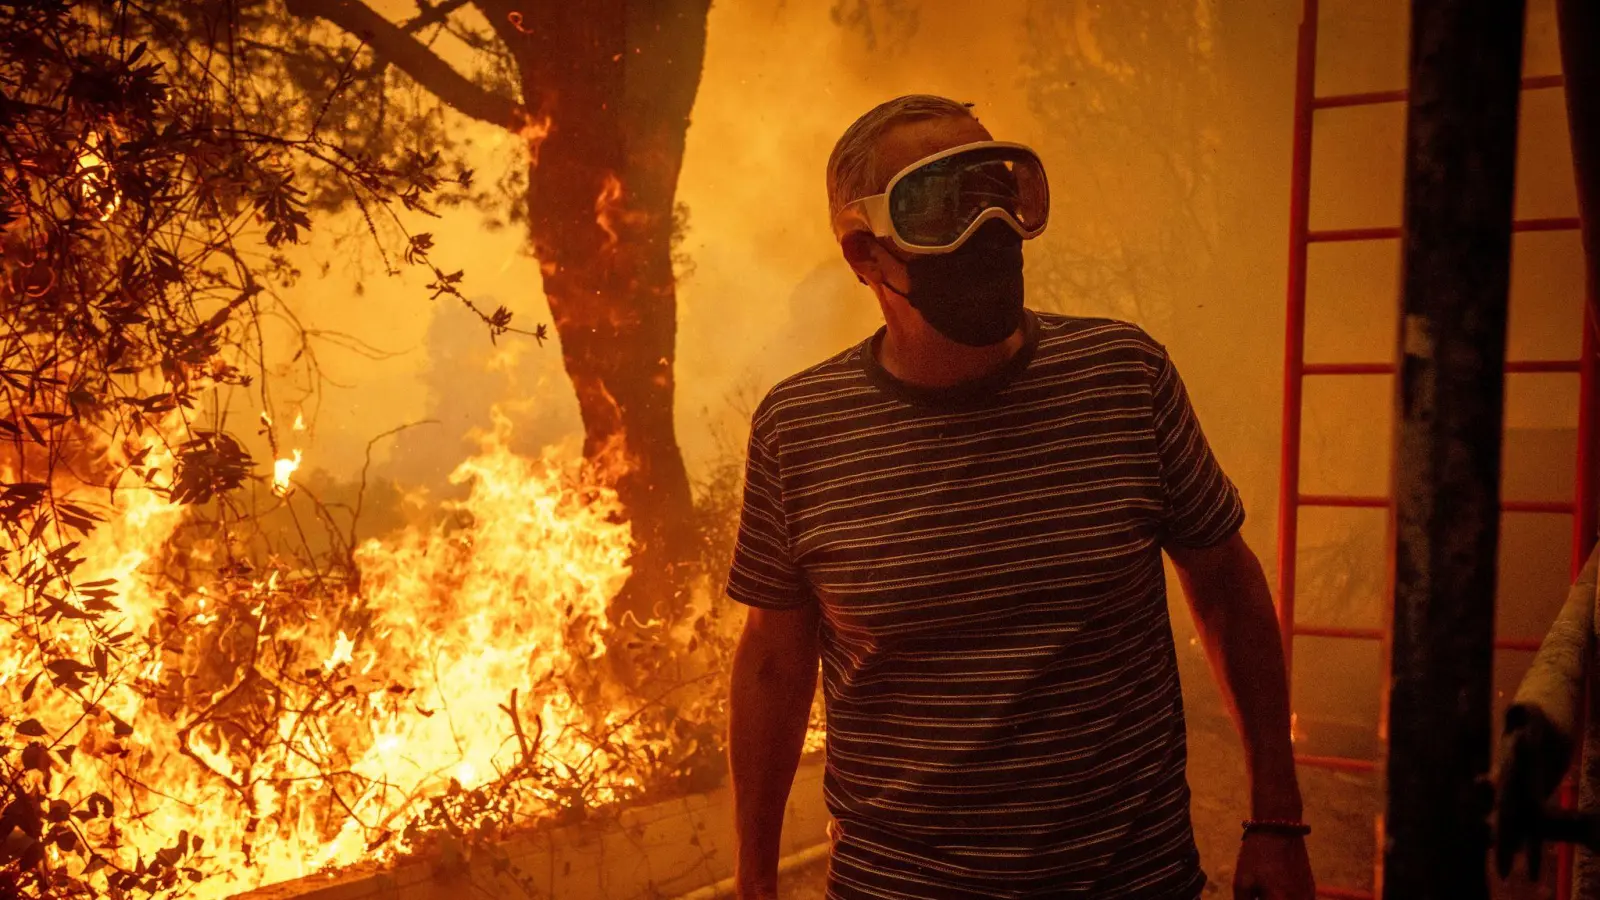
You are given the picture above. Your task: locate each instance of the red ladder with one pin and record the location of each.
(1582, 508)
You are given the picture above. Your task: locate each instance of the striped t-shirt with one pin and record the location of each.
(1004, 715)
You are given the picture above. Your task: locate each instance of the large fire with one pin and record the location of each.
(270, 724)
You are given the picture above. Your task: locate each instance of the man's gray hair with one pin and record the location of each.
(853, 170)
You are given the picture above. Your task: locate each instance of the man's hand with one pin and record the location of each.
(1273, 867)
(1234, 614)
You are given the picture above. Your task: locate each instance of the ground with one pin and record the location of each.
(1341, 808)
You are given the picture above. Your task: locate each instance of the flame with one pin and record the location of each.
(299, 421)
(282, 469)
(461, 652)
(97, 185)
(533, 131)
(607, 206)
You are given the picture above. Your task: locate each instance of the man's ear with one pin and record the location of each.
(861, 252)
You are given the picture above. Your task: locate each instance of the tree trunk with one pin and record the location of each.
(615, 82)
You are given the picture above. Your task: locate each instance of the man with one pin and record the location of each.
(963, 518)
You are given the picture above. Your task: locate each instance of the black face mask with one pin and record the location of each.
(973, 294)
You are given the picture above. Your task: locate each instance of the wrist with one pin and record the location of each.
(1276, 798)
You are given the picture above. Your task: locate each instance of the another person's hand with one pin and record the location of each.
(1273, 867)
(1533, 755)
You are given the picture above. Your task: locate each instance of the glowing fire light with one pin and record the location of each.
(282, 469)
(97, 184)
(470, 648)
(611, 212)
(607, 206)
(533, 131)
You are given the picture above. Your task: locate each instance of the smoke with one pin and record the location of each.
(770, 293)
(1165, 127)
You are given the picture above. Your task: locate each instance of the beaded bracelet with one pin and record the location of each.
(1286, 827)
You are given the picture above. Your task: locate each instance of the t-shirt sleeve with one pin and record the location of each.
(1201, 506)
(764, 573)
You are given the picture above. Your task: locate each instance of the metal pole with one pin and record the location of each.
(1461, 138)
(1294, 341)
(1580, 63)
(1579, 22)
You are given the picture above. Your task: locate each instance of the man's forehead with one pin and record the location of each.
(904, 144)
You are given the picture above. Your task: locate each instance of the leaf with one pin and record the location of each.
(16, 844)
(98, 804)
(27, 692)
(100, 661)
(119, 727)
(31, 728)
(34, 756)
(67, 668)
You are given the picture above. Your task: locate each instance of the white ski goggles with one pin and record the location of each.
(936, 203)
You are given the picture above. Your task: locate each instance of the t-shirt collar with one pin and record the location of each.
(966, 393)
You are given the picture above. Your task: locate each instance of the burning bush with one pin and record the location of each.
(273, 720)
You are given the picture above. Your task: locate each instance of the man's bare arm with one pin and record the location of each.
(1234, 614)
(774, 680)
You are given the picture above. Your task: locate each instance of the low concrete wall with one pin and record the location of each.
(654, 852)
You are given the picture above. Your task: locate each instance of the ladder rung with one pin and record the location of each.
(1554, 223)
(1344, 500)
(1392, 232)
(1337, 763)
(1345, 235)
(1513, 367)
(1355, 368)
(1355, 501)
(1373, 98)
(1553, 507)
(1369, 98)
(1533, 366)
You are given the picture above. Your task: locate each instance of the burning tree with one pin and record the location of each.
(601, 92)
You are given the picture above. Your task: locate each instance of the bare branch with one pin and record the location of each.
(393, 44)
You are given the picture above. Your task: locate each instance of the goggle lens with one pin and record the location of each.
(935, 204)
